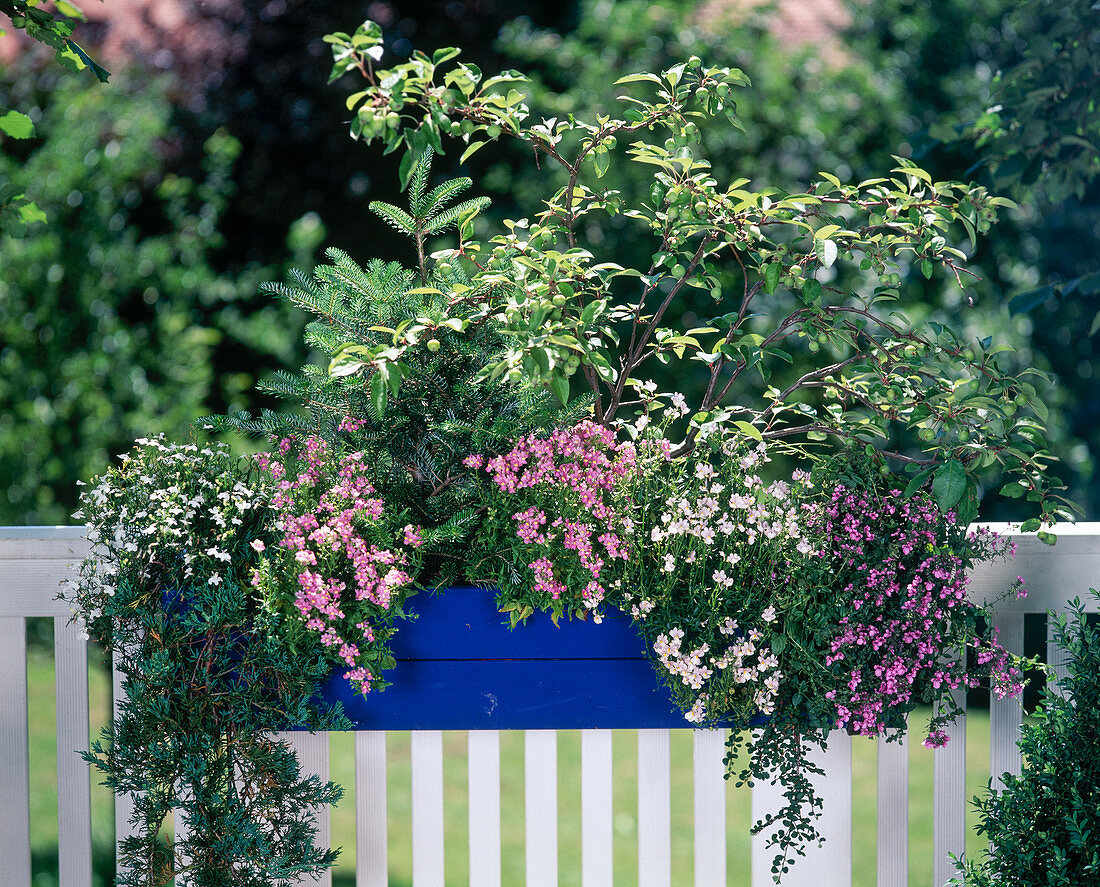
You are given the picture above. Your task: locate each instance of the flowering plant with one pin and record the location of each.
(207, 675)
(485, 416)
(336, 567)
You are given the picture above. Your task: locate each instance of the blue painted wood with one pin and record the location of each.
(461, 668)
(464, 623)
(513, 694)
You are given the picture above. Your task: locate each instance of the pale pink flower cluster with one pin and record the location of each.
(581, 468)
(327, 525)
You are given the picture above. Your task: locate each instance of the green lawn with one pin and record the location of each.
(44, 801)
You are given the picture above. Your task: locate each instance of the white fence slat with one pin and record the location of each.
(540, 789)
(181, 831)
(483, 777)
(1056, 657)
(893, 813)
(949, 798)
(312, 751)
(710, 807)
(654, 809)
(427, 808)
(1006, 716)
(371, 859)
(74, 793)
(124, 805)
(596, 808)
(830, 863)
(15, 834)
(35, 560)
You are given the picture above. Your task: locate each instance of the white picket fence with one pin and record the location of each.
(33, 560)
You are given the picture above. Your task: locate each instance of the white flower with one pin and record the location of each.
(670, 563)
(768, 615)
(214, 580)
(257, 545)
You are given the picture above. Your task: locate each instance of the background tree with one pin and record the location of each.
(892, 82)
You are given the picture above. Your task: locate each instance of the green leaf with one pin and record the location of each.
(917, 482)
(967, 510)
(1095, 325)
(471, 150)
(639, 78)
(1030, 525)
(378, 393)
(445, 55)
(71, 10)
(926, 269)
(1090, 283)
(749, 429)
(560, 386)
(771, 278)
(1024, 302)
(30, 212)
(828, 253)
(949, 484)
(17, 125)
(601, 160)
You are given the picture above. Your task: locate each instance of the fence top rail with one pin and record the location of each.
(1053, 575)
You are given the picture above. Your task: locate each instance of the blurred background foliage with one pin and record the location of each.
(169, 198)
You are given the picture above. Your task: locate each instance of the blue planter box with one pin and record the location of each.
(460, 667)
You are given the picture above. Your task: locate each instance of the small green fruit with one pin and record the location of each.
(432, 345)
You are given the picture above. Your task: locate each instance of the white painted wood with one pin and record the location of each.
(74, 796)
(371, 859)
(483, 779)
(893, 813)
(124, 804)
(710, 807)
(1006, 716)
(831, 863)
(654, 809)
(427, 808)
(949, 798)
(15, 836)
(1053, 575)
(312, 751)
(313, 759)
(181, 833)
(540, 789)
(597, 766)
(1056, 658)
(35, 560)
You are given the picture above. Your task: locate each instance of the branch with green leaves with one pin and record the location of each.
(17, 212)
(815, 273)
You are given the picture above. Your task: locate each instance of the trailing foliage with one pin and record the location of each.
(1044, 824)
(208, 673)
